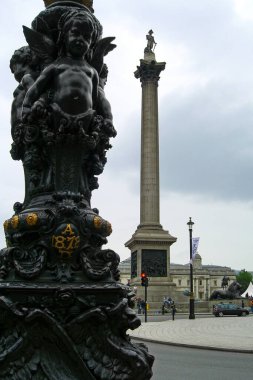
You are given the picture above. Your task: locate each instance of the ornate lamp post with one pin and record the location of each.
(191, 306)
(62, 307)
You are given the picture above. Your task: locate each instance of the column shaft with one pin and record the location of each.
(150, 201)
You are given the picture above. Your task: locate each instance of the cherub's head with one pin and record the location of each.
(23, 62)
(78, 37)
(79, 31)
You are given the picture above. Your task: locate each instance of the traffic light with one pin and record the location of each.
(144, 279)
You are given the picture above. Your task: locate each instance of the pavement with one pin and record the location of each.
(214, 333)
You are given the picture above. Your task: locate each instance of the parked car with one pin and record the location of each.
(229, 309)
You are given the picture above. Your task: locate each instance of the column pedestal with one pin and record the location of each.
(150, 253)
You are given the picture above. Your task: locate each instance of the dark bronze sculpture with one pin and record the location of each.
(63, 312)
(224, 283)
(232, 292)
(151, 44)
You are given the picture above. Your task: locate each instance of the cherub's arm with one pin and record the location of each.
(27, 81)
(38, 88)
(103, 106)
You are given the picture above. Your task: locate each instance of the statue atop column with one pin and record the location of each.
(151, 44)
(61, 303)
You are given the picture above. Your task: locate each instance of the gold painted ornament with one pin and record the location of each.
(66, 240)
(109, 228)
(6, 225)
(15, 221)
(97, 221)
(32, 219)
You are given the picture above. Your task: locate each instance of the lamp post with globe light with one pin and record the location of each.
(191, 305)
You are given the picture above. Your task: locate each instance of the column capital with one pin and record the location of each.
(149, 70)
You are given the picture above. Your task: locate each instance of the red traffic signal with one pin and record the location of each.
(144, 279)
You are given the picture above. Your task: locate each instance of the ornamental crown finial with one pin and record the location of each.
(87, 3)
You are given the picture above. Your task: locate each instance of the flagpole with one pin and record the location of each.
(191, 305)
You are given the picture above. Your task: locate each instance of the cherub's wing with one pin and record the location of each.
(42, 45)
(105, 44)
(60, 360)
(103, 47)
(41, 26)
(104, 347)
(36, 346)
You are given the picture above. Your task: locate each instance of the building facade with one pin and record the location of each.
(206, 279)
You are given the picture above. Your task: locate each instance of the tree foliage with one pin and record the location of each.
(244, 278)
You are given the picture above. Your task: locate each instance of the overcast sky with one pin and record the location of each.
(205, 118)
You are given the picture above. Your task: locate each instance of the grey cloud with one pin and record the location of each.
(124, 158)
(206, 132)
(206, 149)
(206, 144)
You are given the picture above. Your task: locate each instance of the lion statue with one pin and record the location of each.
(232, 292)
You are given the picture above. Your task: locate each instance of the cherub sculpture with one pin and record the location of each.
(25, 66)
(66, 98)
(72, 78)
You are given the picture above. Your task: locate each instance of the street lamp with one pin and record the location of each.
(191, 314)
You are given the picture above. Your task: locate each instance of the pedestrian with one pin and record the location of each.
(242, 303)
(143, 306)
(139, 305)
(173, 311)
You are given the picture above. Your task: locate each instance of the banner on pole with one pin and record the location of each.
(195, 244)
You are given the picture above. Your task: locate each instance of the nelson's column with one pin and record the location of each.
(150, 244)
(64, 314)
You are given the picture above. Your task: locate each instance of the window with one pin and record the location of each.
(179, 282)
(200, 282)
(215, 282)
